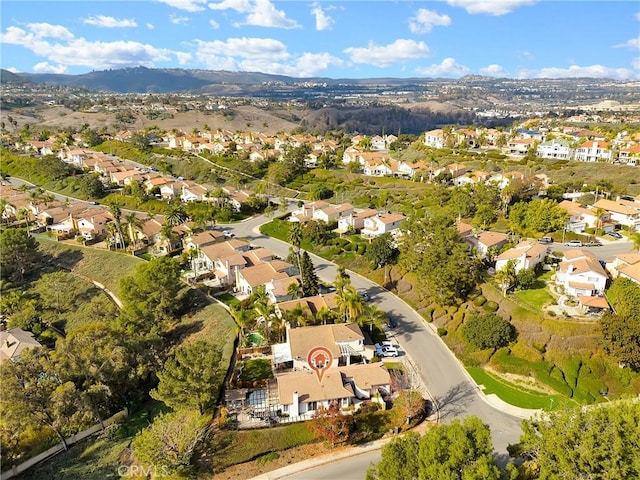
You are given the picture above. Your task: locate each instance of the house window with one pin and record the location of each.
(345, 402)
(312, 406)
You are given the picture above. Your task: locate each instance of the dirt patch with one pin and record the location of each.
(287, 457)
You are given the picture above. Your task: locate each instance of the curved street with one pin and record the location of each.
(454, 391)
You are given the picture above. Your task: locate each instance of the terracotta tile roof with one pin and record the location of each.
(309, 389)
(597, 302)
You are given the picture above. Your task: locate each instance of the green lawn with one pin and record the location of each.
(100, 265)
(539, 296)
(256, 369)
(513, 394)
(228, 299)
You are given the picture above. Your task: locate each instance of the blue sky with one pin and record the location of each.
(336, 39)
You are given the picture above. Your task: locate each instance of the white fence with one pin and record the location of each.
(53, 451)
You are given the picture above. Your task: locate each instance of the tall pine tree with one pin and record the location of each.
(309, 277)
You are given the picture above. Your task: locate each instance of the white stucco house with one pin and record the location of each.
(580, 273)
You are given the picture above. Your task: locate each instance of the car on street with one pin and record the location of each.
(387, 352)
(615, 235)
(228, 233)
(364, 295)
(573, 243)
(384, 344)
(545, 240)
(595, 243)
(392, 323)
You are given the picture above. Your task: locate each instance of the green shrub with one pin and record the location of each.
(488, 331)
(479, 301)
(491, 306)
(442, 331)
(269, 457)
(362, 249)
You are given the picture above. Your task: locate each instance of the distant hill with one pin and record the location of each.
(155, 80)
(9, 77)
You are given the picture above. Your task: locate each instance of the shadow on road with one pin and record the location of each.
(453, 402)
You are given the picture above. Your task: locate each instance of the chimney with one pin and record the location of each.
(295, 406)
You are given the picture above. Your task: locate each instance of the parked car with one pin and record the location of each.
(573, 243)
(545, 240)
(228, 233)
(364, 295)
(387, 352)
(384, 344)
(595, 243)
(392, 323)
(615, 235)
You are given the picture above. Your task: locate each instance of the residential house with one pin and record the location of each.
(558, 148)
(309, 305)
(221, 260)
(345, 341)
(250, 278)
(626, 265)
(355, 220)
(630, 155)
(202, 239)
(93, 225)
(525, 255)
(379, 167)
(624, 212)
(580, 273)
(332, 213)
(191, 192)
(519, 146)
(169, 191)
(435, 138)
(300, 394)
(529, 134)
(382, 223)
(487, 241)
(594, 151)
(278, 290)
(411, 170)
(455, 170)
(581, 218)
(14, 341)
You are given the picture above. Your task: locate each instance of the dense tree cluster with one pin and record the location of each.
(433, 249)
(593, 443)
(457, 451)
(540, 215)
(488, 330)
(621, 330)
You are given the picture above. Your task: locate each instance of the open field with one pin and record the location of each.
(102, 266)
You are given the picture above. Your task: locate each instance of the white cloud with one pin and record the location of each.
(45, 67)
(576, 71)
(71, 51)
(240, 6)
(13, 70)
(637, 15)
(386, 55)
(447, 68)
(150, 26)
(260, 13)
(176, 20)
(425, 20)
(109, 22)
(323, 21)
(42, 30)
(494, 70)
(264, 14)
(491, 7)
(215, 25)
(186, 5)
(633, 43)
(261, 55)
(183, 57)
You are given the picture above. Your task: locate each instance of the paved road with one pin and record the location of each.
(443, 375)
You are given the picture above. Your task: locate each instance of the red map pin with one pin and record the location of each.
(319, 360)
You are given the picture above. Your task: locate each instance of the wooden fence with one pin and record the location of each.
(53, 451)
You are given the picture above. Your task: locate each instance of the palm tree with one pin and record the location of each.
(116, 213)
(343, 279)
(267, 312)
(635, 238)
(169, 235)
(133, 223)
(372, 316)
(599, 213)
(296, 317)
(351, 303)
(324, 316)
(294, 290)
(242, 319)
(175, 215)
(25, 214)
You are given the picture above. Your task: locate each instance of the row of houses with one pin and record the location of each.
(604, 215)
(368, 222)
